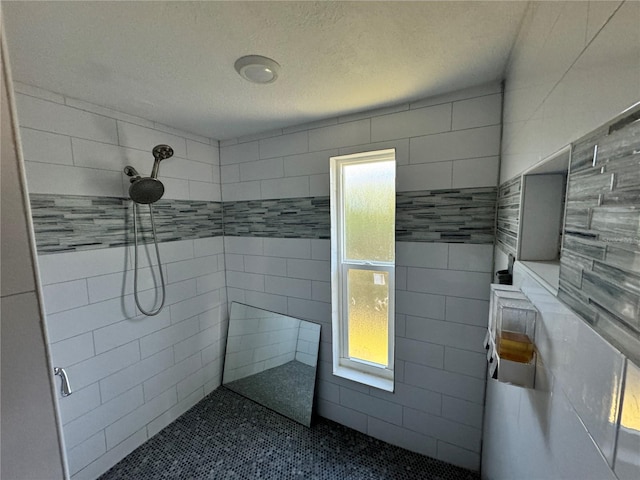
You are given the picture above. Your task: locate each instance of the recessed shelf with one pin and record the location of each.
(541, 217)
(546, 272)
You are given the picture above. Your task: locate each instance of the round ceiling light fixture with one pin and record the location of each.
(257, 69)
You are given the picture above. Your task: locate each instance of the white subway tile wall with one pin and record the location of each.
(441, 289)
(159, 367)
(452, 143)
(441, 350)
(573, 413)
(591, 371)
(32, 446)
(553, 96)
(131, 374)
(553, 92)
(129, 371)
(76, 148)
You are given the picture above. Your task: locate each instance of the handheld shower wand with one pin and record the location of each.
(147, 190)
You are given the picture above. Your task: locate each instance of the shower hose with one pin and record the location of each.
(135, 255)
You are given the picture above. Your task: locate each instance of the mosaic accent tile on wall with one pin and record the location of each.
(65, 223)
(456, 216)
(508, 219)
(600, 262)
(307, 217)
(449, 216)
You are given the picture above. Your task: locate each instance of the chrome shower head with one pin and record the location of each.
(146, 190)
(160, 152)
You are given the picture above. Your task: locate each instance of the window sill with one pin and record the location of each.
(364, 378)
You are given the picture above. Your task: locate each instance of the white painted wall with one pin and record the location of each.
(446, 142)
(575, 66)
(131, 374)
(31, 443)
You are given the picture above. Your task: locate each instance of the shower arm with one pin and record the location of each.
(156, 167)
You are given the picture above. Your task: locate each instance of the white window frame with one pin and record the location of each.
(374, 375)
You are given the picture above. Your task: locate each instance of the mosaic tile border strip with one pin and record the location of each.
(508, 218)
(449, 216)
(600, 262)
(453, 216)
(306, 217)
(66, 223)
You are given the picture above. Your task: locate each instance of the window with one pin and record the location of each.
(363, 202)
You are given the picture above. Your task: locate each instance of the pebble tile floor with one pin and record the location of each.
(229, 437)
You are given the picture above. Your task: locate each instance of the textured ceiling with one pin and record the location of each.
(172, 62)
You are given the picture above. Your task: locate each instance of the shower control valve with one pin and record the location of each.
(65, 389)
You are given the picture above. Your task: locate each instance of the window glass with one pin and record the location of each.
(368, 292)
(369, 211)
